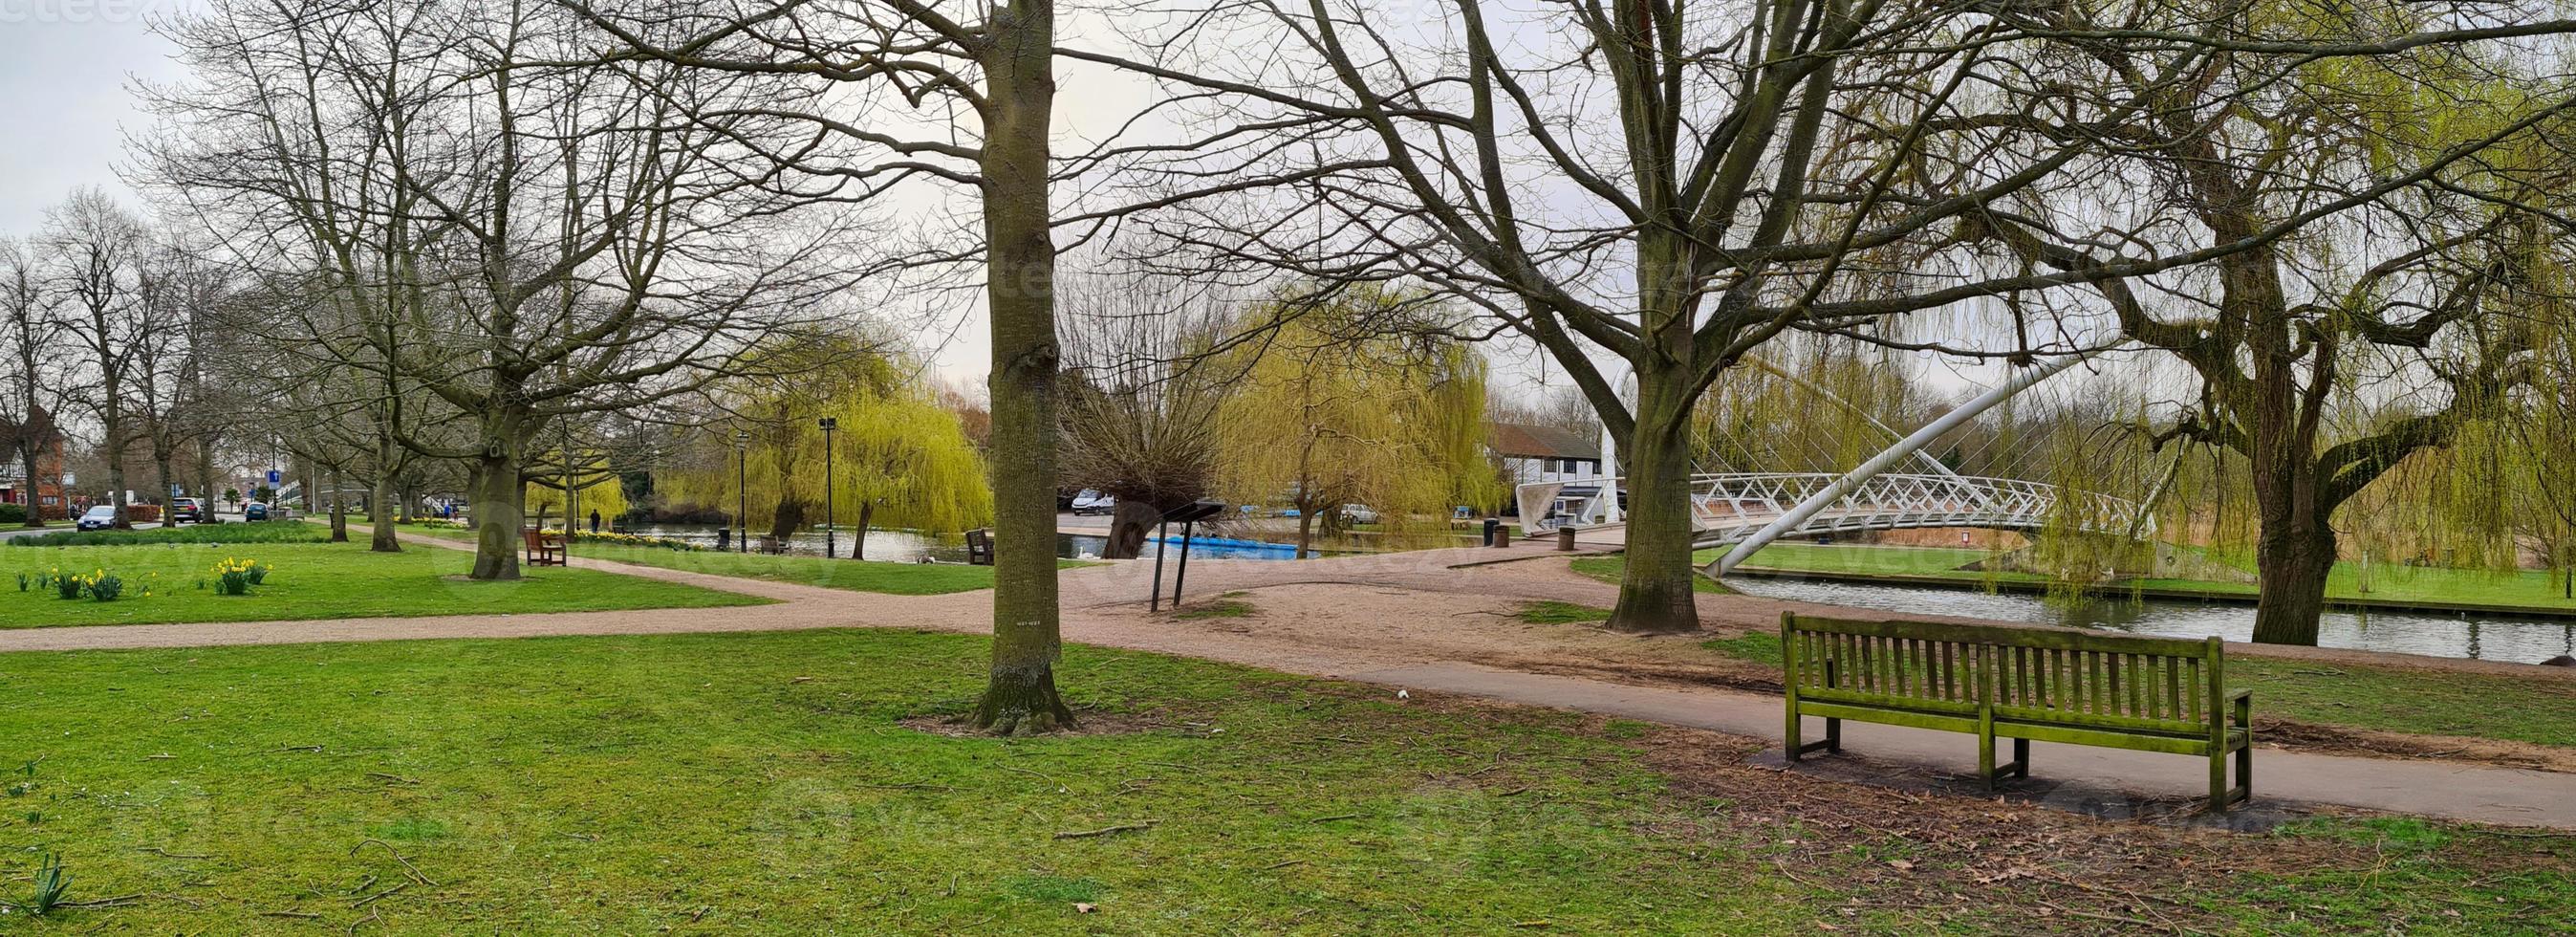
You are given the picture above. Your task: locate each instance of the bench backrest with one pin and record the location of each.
(2073, 677)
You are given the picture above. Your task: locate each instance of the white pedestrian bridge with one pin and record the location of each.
(1728, 509)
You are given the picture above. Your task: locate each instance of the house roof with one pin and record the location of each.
(1524, 441)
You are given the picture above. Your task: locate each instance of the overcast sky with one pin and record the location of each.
(64, 71)
(67, 67)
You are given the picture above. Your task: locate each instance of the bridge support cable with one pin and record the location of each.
(1904, 449)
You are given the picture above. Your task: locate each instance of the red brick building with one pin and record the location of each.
(46, 492)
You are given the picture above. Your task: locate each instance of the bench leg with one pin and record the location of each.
(1791, 737)
(1986, 752)
(1833, 735)
(2218, 782)
(2245, 772)
(2021, 758)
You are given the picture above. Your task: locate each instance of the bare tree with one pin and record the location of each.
(1660, 188)
(1139, 400)
(523, 239)
(864, 68)
(27, 337)
(96, 251)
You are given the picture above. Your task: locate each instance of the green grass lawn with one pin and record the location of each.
(314, 581)
(853, 575)
(766, 783)
(2396, 583)
(2541, 711)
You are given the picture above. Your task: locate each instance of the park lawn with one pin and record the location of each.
(770, 783)
(851, 575)
(2395, 583)
(315, 581)
(2423, 701)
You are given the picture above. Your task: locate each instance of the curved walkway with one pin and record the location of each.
(1424, 622)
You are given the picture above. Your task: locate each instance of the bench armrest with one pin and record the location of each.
(2240, 707)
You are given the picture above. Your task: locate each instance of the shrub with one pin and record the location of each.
(13, 514)
(105, 587)
(209, 533)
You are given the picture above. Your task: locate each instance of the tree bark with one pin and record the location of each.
(380, 515)
(27, 458)
(496, 494)
(1018, 58)
(339, 506)
(2293, 565)
(859, 537)
(1656, 591)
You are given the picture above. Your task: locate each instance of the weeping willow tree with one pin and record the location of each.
(898, 458)
(1358, 398)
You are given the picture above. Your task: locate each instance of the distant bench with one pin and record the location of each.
(2113, 691)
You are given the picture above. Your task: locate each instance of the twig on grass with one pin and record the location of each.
(398, 857)
(166, 854)
(305, 915)
(1106, 830)
(371, 899)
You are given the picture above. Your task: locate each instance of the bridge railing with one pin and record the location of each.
(1726, 508)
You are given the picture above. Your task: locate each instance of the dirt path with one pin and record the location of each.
(1423, 622)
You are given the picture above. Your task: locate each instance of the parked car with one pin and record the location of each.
(101, 517)
(254, 511)
(1093, 502)
(187, 511)
(1359, 514)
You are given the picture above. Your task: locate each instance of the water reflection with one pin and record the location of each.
(2487, 637)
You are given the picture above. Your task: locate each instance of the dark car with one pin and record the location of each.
(254, 511)
(187, 511)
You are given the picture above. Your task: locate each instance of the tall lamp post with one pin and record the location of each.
(742, 487)
(828, 424)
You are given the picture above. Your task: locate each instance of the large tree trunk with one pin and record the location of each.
(1021, 697)
(339, 506)
(859, 538)
(495, 493)
(1655, 593)
(27, 459)
(2292, 559)
(380, 514)
(115, 433)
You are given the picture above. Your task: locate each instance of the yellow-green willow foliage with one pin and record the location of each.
(1352, 401)
(594, 489)
(898, 455)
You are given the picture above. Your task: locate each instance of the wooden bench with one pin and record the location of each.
(979, 547)
(544, 549)
(2114, 691)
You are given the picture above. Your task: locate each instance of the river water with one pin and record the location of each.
(2485, 637)
(912, 546)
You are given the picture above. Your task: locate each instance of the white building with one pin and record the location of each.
(1543, 453)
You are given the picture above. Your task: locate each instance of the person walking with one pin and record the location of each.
(594, 520)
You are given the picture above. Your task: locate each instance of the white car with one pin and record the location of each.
(1093, 502)
(101, 517)
(1359, 514)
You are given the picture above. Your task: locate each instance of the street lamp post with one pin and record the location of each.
(742, 487)
(828, 424)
